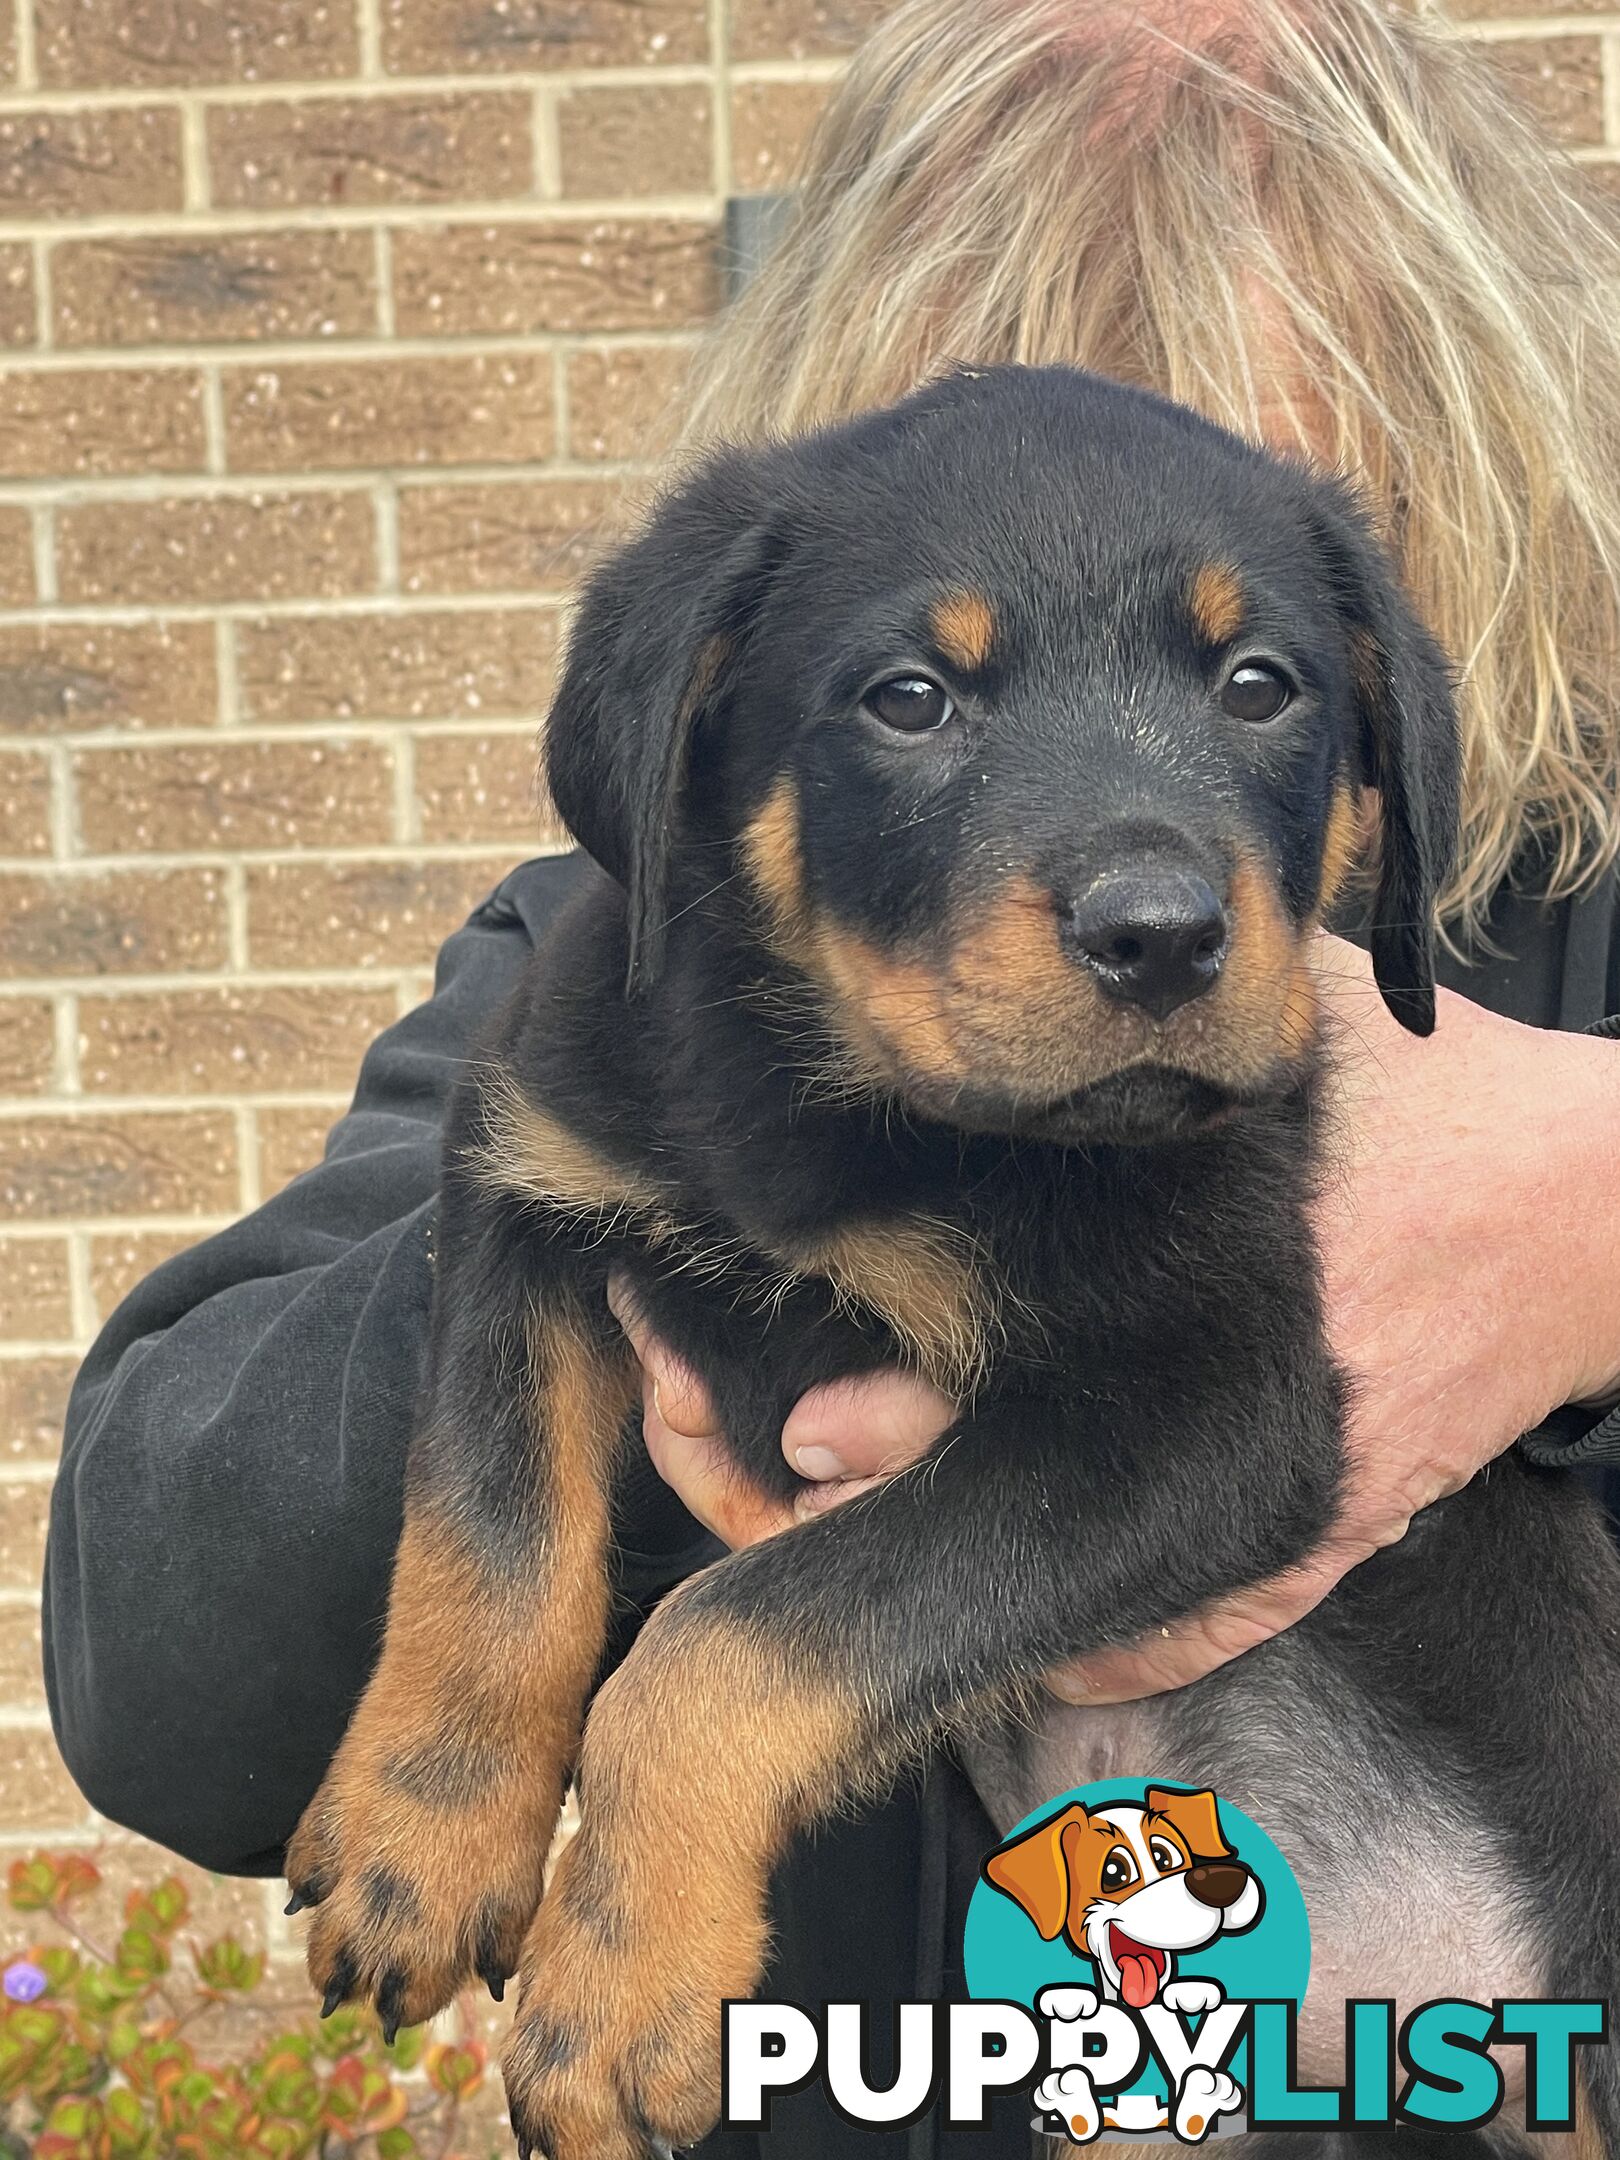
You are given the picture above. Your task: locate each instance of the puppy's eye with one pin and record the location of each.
(1255, 692)
(910, 704)
(1118, 1870)
(1165, 1857)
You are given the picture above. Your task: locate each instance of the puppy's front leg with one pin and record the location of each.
(424, 1847)
(787, 1677)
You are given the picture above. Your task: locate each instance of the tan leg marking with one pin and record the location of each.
(919, 1277)
(427, 1839)
(964, 627)
(1216, 602)
(658, 1911)
(533, 1155)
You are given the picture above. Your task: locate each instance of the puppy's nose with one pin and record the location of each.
(1215, 1883)
(1154, 938)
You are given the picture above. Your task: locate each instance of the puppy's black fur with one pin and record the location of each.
(909, 752)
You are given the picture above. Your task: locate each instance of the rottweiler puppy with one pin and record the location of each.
(967, 785)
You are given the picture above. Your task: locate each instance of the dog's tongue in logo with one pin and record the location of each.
(1140, 1968)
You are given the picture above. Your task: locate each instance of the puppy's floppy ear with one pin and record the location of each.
(650, 654)
(1409, 753)
(1196, 1815)
(1033, 1870)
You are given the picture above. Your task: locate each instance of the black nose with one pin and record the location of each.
(1216, 1883)
(1154, 938)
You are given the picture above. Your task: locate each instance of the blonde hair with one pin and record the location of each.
(1317, 222)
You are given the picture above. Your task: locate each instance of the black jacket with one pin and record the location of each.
(230, 1497)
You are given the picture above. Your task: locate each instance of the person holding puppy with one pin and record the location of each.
(1325, 227)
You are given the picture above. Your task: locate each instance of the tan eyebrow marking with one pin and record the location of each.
(1217, 603)
(964, 628)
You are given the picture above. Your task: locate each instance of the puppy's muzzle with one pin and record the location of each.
(1153, 937)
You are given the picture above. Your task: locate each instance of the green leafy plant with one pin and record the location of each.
(107, 2052)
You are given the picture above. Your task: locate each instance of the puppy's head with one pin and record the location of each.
(1131, 1885)
(1029, 722)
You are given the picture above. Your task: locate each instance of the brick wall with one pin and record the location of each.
(327, 330)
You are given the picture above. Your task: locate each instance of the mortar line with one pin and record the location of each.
(384, 267)
(294, 482)
(193, 153)
(65, 1045)
(225, 220)
(27, 48)
(42, 532)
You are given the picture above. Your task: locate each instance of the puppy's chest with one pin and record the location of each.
(1003, 1274)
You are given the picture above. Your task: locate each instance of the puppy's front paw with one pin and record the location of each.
(1192, 1998)
(1067, 2005)
(421, 1883)
(615, 2052)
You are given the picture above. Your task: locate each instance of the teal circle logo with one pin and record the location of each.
(1136, 1895)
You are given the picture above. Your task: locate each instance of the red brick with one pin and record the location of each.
(121, 1259)
(222, 288)
(89, 421)
(493, 662)
(138, 1162)
(33, 1396)
(113, 162)
(605, 274)
(434, 37)
(474, 788)
(19, 313)
(36, 1793)
(800, 29)
(25, 803)
(175, 44)
(477, 147)
(57, 677)
(234, 795)
(27, 1045)
(316, 545)
(636, 139)
(292, 1139)
(17, 586)
(111, 923)
(23, 1512)
(211, 1042)
(488, 408)
(1561, 79)
(36, 1297)
(623, 400)
(502, 537)
(771, 124)
(364, 914)
(22, 1679)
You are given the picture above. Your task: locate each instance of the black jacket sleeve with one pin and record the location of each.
(230, 1494)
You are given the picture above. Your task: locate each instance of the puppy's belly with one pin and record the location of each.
(1407, 1896)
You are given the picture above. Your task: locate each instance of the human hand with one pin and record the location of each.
(1471, 1267)
(843, 1437)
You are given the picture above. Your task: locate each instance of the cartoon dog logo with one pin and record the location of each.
(1132, 1886)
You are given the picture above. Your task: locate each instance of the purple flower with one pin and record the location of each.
(24, 1981)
